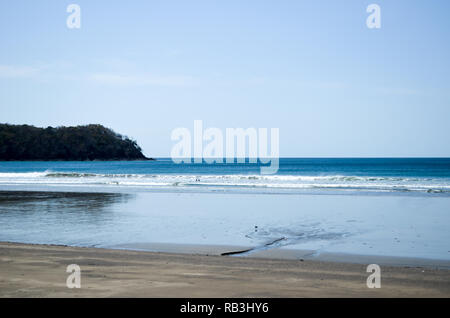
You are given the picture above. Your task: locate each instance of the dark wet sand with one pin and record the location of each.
(40, 271)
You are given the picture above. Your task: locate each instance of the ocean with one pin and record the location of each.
(383, 207)
(415, 175)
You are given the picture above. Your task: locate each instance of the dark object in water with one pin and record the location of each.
(254, 248)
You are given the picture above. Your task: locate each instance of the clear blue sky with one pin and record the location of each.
(311, 68)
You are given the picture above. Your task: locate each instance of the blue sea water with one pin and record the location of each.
(387, 167)
(418, 175)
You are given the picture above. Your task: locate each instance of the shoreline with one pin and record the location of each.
(278, 253)
(136, 189)
(28, 270)
(252, 252)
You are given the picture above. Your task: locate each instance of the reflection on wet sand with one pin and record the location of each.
(63, 218)
(59, 201)
(361, 225)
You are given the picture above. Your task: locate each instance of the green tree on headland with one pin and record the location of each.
(91, 142)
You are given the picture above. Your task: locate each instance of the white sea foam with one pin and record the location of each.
(292, 182)
(14, 175)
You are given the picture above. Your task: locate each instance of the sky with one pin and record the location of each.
(311, 68)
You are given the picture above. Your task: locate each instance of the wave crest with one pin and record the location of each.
(290, 182)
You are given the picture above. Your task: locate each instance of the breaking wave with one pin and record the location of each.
(290, 182)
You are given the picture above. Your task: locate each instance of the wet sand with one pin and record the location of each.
(40, 271)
